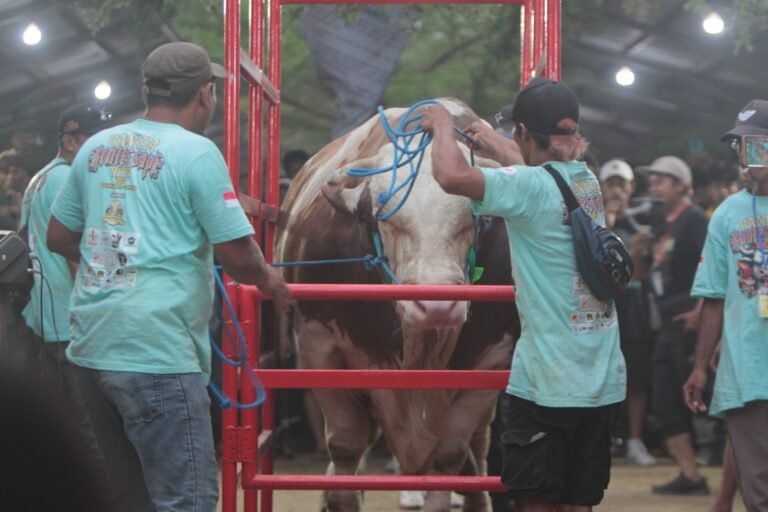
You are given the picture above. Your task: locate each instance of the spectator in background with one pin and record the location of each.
(293, 161)
(618, 184)
(47, 313)
(675, 254)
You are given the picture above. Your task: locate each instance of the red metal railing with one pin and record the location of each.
(246, 434)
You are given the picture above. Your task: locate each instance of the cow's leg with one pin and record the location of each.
(348, 432)
(471, 413)
(348, 424)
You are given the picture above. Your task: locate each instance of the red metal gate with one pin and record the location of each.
(247, 454)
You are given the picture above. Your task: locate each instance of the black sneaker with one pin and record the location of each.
(682, 485)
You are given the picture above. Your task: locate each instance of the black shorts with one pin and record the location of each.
(560, 454)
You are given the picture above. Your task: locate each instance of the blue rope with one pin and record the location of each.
(224, 401)
(402, 139)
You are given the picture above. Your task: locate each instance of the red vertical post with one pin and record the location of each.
(526, 42)
(553, 39)
(538, 32)
(252, 311)
(273, 189)
(231, 155)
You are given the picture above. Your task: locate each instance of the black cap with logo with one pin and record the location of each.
(541, 106)
(178, 67)
(83, 119)
(752, 120)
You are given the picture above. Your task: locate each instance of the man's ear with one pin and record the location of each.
(69, 143)
(350, 194)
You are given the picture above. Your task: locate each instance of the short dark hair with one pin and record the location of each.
(294, 157)
(177, 100)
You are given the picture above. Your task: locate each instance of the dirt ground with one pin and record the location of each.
(629, 490)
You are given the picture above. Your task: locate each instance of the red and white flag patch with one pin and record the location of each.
(230, 200)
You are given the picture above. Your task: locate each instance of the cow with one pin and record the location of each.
(328, 214)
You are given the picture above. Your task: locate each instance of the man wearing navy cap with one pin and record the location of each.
(732, 280)
(567, 369)
(47, 313)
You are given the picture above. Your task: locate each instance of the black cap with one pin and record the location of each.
(84, 119)
(752, 120)
(541, 106)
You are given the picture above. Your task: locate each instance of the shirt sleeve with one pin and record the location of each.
(68, 206)
(711, 279)
(510, 192)
(214, 200)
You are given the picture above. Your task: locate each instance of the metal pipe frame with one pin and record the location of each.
(537, 35)
(392, 292)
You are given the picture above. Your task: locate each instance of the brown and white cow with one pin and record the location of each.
(330, 215)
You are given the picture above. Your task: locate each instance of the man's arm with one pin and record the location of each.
(710, 331)
(450, 168)
(242, 259)
(63, 240)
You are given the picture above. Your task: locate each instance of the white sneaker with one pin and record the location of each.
(411, 500)
(637, 454)
(457, 500)
(392, 465)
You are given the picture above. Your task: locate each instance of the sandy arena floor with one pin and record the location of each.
(629, 490)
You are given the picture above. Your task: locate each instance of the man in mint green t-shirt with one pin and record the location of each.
(567, 368)
(47, 313)
(732, 278)
(145, 208)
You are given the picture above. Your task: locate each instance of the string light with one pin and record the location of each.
(103, 90)
(713, 23)
(625, 76)
(32, 35)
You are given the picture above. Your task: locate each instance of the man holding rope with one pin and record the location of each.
(567, 369)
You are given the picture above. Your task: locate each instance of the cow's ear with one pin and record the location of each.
(349, 194)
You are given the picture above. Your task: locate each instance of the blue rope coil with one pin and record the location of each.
(402, 138)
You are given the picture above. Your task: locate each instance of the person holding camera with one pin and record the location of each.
(673, 256)
(617, 181)
(567, 368)
(732, 280)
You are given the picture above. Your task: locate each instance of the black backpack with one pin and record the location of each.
(601, 257)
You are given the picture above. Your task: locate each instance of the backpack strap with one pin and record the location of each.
(565, 190)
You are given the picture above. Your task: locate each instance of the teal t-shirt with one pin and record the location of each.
(47, 312)
(730, 269)
(150, 199)
(568, 353)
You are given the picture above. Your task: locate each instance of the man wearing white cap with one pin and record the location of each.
(675, 256)
(618, 184)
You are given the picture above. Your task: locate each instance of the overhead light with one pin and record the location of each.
(713, 23)
(625, 76)
(103, 90)
(32, 34)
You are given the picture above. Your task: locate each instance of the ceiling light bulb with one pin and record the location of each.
(713, 23)
(625, 76)
(32, 34)
(103, 90)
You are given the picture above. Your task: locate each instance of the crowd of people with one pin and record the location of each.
(119, 307)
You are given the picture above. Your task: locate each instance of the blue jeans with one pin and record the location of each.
(155, 434)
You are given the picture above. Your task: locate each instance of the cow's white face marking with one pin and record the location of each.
(426, 241)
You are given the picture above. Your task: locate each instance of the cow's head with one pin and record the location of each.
(426, 242)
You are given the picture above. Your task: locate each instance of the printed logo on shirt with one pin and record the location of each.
(593, 315)
(115, 214)
(750, 271)
(124, 153)
(230, 199)
(590, 198)
(511, 171)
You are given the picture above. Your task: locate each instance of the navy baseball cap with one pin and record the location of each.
(751, 120)
(84, 119)
(542, 106)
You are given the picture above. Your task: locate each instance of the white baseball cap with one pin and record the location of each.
(670, 166)
(616, 167)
